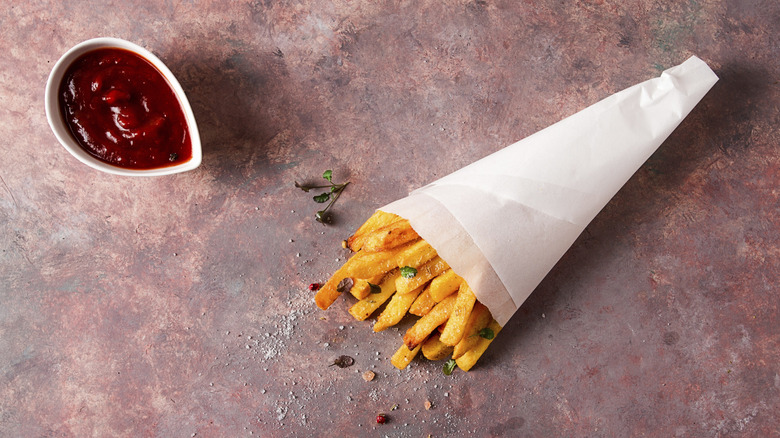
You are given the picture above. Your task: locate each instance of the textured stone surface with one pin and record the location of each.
(178, 305)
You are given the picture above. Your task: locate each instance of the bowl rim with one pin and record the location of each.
(62, 132)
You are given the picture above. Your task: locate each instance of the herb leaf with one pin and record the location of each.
(332, 195)
(374, 288)
(322, 198)
(408, 272)
(449, 366)
(487, 333)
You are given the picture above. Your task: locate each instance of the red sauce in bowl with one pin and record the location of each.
(123, 111)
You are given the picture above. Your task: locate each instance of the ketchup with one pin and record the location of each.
(123, 111)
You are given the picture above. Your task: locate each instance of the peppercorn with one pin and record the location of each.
(381, 418)
(314, 286)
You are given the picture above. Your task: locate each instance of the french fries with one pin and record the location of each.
(392, 264)
(362, 287)
(390, 236)
(423, 304)
(378, 220)
(478, 320)
(461, 309)
(469, 358)
(403, 356)
(434, 349)
(428, 323)
(424, 274)
(365, 307)
(396, 310)
(444, 285)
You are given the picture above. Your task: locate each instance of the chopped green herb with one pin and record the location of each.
(332, 195)
(408, 272)
(449, 366)
(374, 288)
(487, 333)
(322, 198)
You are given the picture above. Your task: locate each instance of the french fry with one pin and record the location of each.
(396, 309)
(360, 265)
(423, 304)
(456, 324)
(390, 236)
(365, 307)
(424, 274)
(378, 220)
(469, 358)
(362, 287)
(434, 349)
(445, 284)
(404, 356)
(479, 319)
(370, 264)
(415, 254)
(428, 323)
(329, 291)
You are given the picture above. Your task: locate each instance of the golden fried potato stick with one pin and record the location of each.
(369, 264)
(329, 291)
(469, 358)
(415, 254)
(480, 318)
(362, 287)
(424, 274)
(396, 309)
(428, 323)
(445, 284)
(434, 349)
(404, 356)
(456, 324)
(378, 220)
(423, 304)
(390, 236)
(365, 307)
(361, 265)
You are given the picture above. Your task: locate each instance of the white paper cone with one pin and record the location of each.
(504, 221)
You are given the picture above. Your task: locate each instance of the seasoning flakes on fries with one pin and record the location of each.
(392, 264)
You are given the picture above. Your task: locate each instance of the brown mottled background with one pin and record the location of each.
(178, 305)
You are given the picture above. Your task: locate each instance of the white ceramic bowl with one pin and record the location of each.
(62, 132)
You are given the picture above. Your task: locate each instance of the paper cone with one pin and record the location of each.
(504, 221)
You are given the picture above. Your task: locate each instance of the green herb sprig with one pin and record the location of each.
(448, 367)
(487, 333)
(408, 272)
(332, 195)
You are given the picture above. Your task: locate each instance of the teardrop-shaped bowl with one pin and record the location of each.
(59, 126)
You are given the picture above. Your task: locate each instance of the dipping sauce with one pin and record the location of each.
(122, 111)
